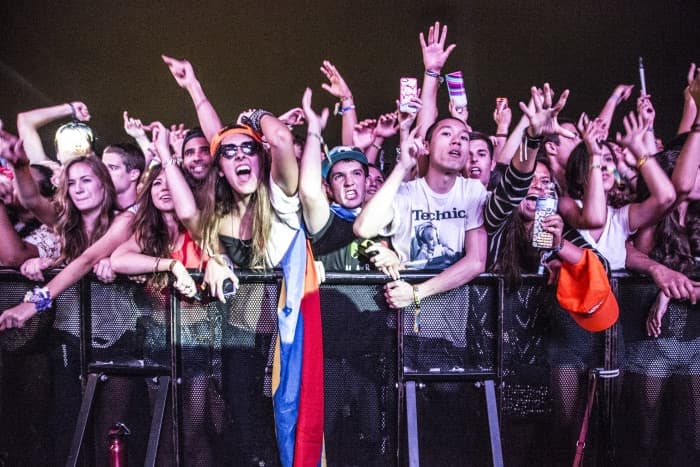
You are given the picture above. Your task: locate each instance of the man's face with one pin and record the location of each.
(196, 159)
(479, 163)
(346, 183)
(121, 178)
(449, 146)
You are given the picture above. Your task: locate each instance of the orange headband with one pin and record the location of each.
(226, 131)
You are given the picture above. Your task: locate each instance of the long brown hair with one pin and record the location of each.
(677, 246)
(517, 255)
(150, 228)
(70, 229)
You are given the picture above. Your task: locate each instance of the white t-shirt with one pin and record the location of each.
(615, 233)
(286, 221)
(427, 228)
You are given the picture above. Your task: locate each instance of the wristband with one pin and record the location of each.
(317, 136)
(532, 142)
(435, 74)
(558, 248)
(416, 315)
(501, 135)
(347, 108)
(172, 265)
(255, 119)
(596, 166)
(376, 146)
(345, 98)
(40, 297)
(200, 103)
(642, 161)
(73, 114)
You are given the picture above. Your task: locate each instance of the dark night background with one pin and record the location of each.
(262, 54)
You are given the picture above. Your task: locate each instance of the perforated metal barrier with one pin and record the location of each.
(220, 359)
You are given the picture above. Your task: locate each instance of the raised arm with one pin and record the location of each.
(685, 172)
(185, 205)
(593, 213)
(314, 203)
(337, 87)
(134, 128)
(621, 93)
(377, 213)
(387, 127)
(184, 75)
(662, 194)
(690, 107)
(285, 168)
(29, 122)
(502, 117)
(26, 187)
(434, 57)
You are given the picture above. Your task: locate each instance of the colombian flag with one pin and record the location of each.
(298, 372)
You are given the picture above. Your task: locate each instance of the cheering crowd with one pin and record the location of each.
(458, 201)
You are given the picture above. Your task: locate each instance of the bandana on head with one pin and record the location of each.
(232, 130)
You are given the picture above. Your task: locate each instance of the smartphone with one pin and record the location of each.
(501, 103)
(407, 91)
(455, 87)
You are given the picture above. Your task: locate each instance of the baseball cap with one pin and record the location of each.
(342, 153)
(584, 291)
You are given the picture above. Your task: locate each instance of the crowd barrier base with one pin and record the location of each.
(488, 376)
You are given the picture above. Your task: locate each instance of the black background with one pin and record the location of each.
(263, 54)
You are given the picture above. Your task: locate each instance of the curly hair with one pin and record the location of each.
(70, 228)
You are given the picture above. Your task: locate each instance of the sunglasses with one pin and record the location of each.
(248, 148)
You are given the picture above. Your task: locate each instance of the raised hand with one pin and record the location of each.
(411, 149)
(181, 70)
(434, 52)
(80, 111)
(406, 119)
(315, 123)
(694, 85)
(502, 117)
(635, 129)
(460, 113)
(623, 92)
(387, 125)
(177, 137)
(292, 117)
(543, 115)
(646, 111)
(592, 132)
(364, 133)
(337, 87)
(133, 126)
(161, 141)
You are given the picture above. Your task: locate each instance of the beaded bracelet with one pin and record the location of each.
(40, 297)
(256, 117)
(435, 74)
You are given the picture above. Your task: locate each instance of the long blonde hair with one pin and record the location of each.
(215, 209)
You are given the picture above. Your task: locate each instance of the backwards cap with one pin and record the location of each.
(342, 153)
(584, 291)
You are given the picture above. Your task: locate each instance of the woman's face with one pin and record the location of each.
(242, 171)
(160, 194)
(607, 162)
(540, 182)
(84, 188)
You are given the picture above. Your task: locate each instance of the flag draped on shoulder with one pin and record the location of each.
(298, 392)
